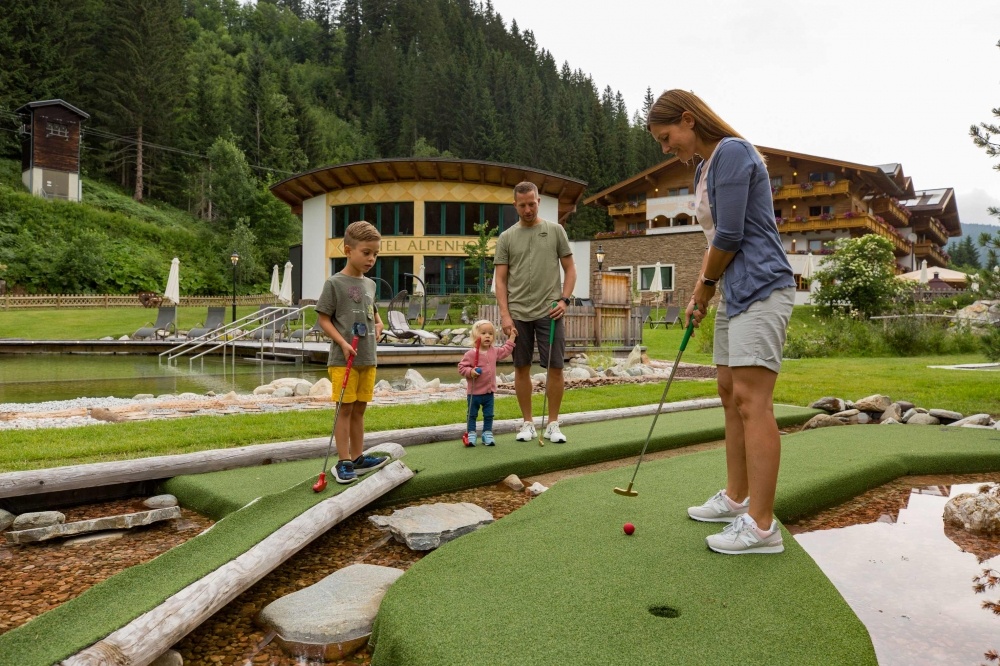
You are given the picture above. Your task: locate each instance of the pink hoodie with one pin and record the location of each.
(486, 382)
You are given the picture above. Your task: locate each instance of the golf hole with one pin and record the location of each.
(665, 611)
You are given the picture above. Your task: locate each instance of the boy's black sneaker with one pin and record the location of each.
(343, 472)
(365, 463)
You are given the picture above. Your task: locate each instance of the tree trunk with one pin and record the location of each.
(138, 165)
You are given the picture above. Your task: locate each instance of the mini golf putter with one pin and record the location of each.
(628, 492)
(360, 330)
(548, 365)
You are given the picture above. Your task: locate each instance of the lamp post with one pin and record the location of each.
(600, 257)
(235, 258)
(423, 288)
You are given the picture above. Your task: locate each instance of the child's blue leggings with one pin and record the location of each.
(473, 403)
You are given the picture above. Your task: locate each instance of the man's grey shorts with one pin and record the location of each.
(532, 333)
(755, 336)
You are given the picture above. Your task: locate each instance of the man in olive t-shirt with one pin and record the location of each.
(527, 260)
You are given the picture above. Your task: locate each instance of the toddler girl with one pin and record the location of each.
(479, 367)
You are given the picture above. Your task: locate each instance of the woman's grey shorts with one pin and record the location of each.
(755, 336)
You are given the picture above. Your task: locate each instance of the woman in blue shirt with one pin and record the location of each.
(734, 207)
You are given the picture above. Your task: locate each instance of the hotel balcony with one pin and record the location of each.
(931, 252)
(932, 229)
(625, 208)
(818, 189)
(893, 213)
(857, 224)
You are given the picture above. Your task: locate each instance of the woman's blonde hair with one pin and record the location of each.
(477, 328)
(708, 125)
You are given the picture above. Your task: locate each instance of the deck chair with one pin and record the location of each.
(270, 325)
(671, 316)
(415, 309)
(214, 320)
(165, 324)
(441, 313)
(297, 333)
(642, 313)
(398, 326)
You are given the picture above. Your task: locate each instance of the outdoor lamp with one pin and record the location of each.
(600, 257)
(235, 258)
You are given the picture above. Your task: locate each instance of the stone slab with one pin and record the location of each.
(123, 521)
(427, 526)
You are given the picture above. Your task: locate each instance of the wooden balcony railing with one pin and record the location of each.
(931, 252)
(895, 214)
(625, 208)
(812, 190)
(933, 230)
(857, 222)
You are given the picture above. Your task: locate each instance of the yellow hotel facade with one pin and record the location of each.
(426, 210)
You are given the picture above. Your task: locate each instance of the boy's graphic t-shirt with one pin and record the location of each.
(349, 300)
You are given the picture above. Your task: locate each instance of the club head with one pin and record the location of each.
(465, 438)
(320, 485)
(540, 442)
(627, 492)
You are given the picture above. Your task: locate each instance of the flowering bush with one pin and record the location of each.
(807, 186)
(827, 216)
(860, 275)
(780, 220)
(830, 183)
(800, 218)
(849, 213)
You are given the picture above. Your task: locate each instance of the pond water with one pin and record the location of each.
(44, 377)
(907, 576)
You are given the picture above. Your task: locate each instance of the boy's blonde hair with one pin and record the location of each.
(360, 232)
(477, 328)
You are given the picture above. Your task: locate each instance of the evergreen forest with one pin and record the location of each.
(203, 104)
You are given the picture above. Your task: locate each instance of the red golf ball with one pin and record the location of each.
(629, 528)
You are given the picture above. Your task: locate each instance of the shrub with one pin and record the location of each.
(990, 343)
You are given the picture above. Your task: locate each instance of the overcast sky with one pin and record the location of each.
(866, 81)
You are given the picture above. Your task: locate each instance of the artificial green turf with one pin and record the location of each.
(557, 582)
(217, 493)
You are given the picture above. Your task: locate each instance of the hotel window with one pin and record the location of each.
(391, 219)
(445, 218)
(816, 211)
(822, 176)
(666, 277)
(777, 181)
(815, 245)
(777, 213)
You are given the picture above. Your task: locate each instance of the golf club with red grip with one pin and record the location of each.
(359, 331)
(548, 365)
(472, 384)
(628, 492)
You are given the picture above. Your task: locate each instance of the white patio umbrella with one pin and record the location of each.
(418, 285)
(923, 272)
(285, 295)
(657, 283)
(172, 294)
(275, 285)
(493, 284)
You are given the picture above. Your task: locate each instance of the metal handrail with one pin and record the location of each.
(287, 316)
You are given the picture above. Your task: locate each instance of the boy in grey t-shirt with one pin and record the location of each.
(347, 306)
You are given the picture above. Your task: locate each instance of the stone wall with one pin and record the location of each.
(683, 248)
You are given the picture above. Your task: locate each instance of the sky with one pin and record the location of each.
(865, 81)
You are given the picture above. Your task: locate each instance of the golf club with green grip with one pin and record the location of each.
(628, 492)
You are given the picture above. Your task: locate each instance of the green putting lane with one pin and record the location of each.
(558, 582)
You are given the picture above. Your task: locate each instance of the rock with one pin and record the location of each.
(210, 394)
(945, 415)
(383, 386)
(908, 414)
(860, 418)
(188, 396)
(124, 521)
(169, 658)
(414, 379)
(577, 373)
(634, 371)
(873, 403)
(264, 390)
(427, 526)
(290, 382)
(538, 378)
(302, 388)
(393, 449)
(323, 389)
(124, 338)
(514, 483)
(634, 357)
(975, 419)
(102, 414)
(536, 489)
(975, 512)
(230, 396)
(160, 502)
(90, 539)
(433, 385)
(6, 519)
(822, 421)
(30, 521)
(143, 396)
(890, 421)
(847, 413)
(165, 396)
(904, 405)
(334, 617)
(922, 419)
(893, 411)
(283, 392)
(829, 404)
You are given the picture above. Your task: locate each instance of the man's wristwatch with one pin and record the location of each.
(565, 300)
(708, 282)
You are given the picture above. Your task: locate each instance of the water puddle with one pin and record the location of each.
(908, 577)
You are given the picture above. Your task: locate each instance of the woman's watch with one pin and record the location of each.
(708, 282)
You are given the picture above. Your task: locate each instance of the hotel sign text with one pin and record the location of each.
(409, 245)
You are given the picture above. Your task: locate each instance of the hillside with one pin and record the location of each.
(973, 231)
(111, 244)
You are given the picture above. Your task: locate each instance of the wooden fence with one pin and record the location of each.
(9, 302)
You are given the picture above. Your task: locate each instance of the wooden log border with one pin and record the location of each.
(147, 637)
(74, 477)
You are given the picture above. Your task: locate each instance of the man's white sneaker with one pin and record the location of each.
(741, 537)
(718, 509)
(554, 434)
(527, 432)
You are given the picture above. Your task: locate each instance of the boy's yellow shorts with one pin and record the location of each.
(360, 385)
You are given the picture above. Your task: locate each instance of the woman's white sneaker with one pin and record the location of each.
(742, 537)
(554, 434)
(527, 432)
(719, 509)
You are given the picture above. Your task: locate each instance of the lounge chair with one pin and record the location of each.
(441, 313)
(642, 312)
(166, 323)
(299, 334)
(269, 326)
(415, 309)
(671, 316)
(214, 320)
(398, 326)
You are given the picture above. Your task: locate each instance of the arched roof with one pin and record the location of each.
(309, 184)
